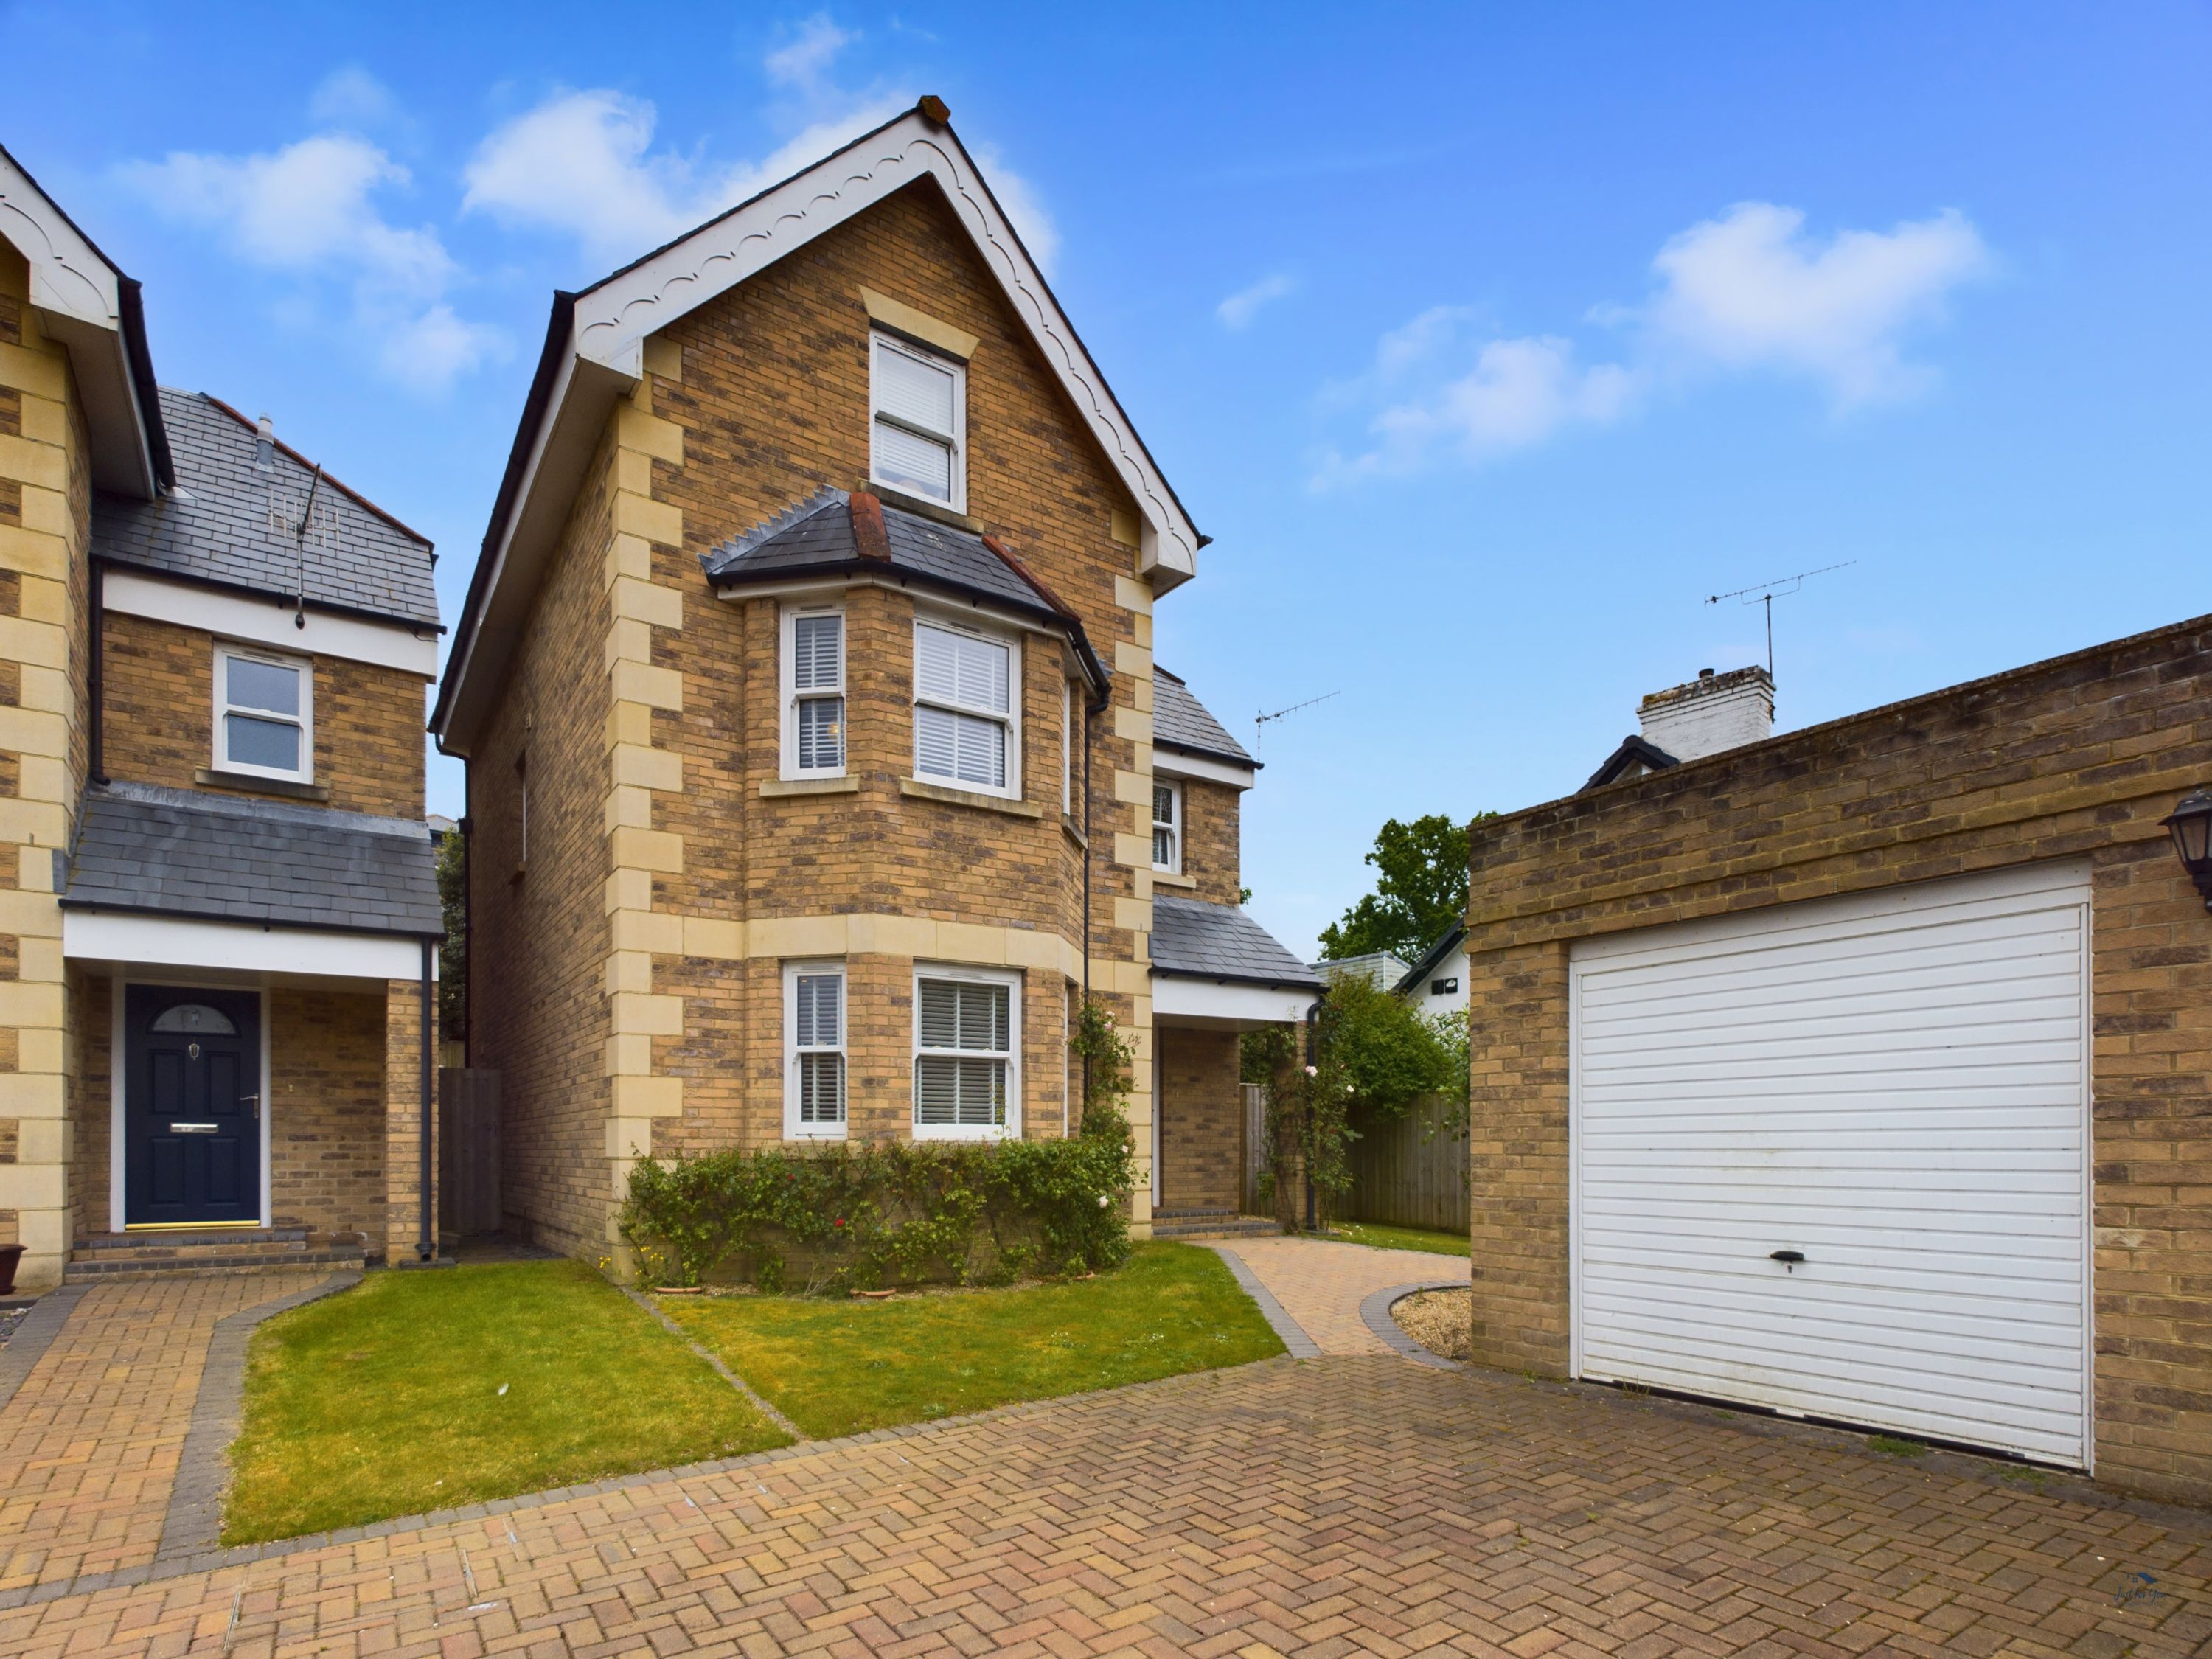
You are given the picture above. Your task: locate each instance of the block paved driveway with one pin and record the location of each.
(1347, 1504)
(1321, 1283)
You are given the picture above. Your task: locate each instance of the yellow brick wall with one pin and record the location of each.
(2081, 756)
(44, 496)
(157, 683)
(1201, 1121)
(1212, 839)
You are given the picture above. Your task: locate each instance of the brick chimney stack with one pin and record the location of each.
(1713, 712)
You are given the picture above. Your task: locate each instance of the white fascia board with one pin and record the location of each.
(118, 937)
(613, 320)
(265, 622)
(576, 414)
(1177, 764)
(1177, 1001)
(79, 298)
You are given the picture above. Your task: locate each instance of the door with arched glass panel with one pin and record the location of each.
(191, 1106)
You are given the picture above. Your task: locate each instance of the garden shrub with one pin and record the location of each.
(846, 1218)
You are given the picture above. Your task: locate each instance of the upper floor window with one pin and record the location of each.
(918, 414)
(965, 728)
(1068, 715)
(265, 713)
(1167, 826)
(813, 693)
(814, 1050)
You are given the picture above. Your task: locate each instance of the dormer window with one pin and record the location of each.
(264, 714)
(918, 410)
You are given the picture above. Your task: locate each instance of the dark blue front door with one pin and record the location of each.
(191, 1105)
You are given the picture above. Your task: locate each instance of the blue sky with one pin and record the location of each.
(1485, 341)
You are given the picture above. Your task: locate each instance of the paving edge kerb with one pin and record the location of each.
(192, 1525)
(1293, 1334)
(1375, 1310)
(33, 1336)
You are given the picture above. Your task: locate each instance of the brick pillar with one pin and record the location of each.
(403, 1121)
(44, 504)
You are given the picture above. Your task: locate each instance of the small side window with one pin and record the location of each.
(813, 693)
(264, 714)
(1167, 826)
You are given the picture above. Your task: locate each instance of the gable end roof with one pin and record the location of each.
(1633, 750)
(594, 353)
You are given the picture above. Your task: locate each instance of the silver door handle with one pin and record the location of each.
(193, 1128)
(254, 1101)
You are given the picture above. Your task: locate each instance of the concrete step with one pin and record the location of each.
(243, 1259)
(191, 1237)
(1211, 1224)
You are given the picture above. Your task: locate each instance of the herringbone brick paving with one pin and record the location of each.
(1321, 1282)
(88, 1445)
(1313, 1509)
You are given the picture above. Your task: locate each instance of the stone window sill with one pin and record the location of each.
(1170, 879)
(846, 785)
(213, 778)
(922, 508)
(1074, 832)
(915, 789)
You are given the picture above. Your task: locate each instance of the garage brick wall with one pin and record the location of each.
(2080, 755)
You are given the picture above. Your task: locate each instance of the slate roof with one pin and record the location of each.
(1193, 939)
(1633, 751)
(816, 537)
(177, 853)
(1181, 721)
(231, 520)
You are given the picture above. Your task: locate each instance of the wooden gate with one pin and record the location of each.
(468, 1150)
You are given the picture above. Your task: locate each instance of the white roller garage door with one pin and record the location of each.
(1894, 1086)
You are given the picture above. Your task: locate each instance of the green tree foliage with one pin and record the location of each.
(453, 952)
(1420, 889)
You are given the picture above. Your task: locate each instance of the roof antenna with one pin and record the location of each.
(1259, 721)
(307, 517)
(1765, 594)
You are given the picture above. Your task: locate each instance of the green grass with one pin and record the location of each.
(842, 1367)
(1384, 1237)
(1894, 1447)
(385, 1400)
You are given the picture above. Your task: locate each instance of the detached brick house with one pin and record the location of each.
(218, 885)
(1864, 1072)
(818, 761)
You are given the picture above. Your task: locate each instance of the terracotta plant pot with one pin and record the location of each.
(9, 1255)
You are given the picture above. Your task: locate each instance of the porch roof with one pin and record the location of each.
(156, 851)
(1193, 940)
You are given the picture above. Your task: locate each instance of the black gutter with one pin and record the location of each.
(1308, 986)
(1193, 750)
(558, 325)
(130, 303)
(427, 1249)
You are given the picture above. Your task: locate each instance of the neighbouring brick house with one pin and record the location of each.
(1865, 1072)
(817, 757)
(218, 895)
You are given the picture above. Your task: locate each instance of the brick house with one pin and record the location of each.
(816, 757)
(1863, 1072)
(219, 889)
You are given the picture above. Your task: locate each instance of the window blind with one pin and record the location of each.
(954, 674)
(960, 1075)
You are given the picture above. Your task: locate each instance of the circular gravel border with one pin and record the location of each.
(1375, 1309)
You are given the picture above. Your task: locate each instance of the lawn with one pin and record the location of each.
(844, 1366)
(417, 1391)
(1383, 1237)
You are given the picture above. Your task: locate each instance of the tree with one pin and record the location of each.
(453, 952)
(1421, 890)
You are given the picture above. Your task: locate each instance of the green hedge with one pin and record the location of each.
(848, 1218)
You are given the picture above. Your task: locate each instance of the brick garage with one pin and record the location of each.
(2074, 759)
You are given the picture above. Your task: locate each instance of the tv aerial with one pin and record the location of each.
(1259, 721)
(1765, 594)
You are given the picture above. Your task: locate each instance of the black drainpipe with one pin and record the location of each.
(427, 1250)
(97, 756)
(1090, 731)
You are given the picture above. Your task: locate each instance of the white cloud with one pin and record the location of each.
(1238, 311)
(310, 210)
(1750, 289)
(429, 352)
(806, 59)
(1746, 291)
(583, 163)
(351, 97)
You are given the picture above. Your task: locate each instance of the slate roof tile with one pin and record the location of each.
(1181, 721)
(1195, 939)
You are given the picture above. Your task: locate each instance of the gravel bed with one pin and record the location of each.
(9, 1318)
(1442, 1322)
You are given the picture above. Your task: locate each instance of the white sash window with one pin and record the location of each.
(1167, 826)
(813, 693)
(965, 732)
(966, 1074)
(264, 709)
(814, 1051)
(919, 422)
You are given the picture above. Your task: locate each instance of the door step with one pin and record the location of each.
(1211, 1224)
(214, 1249)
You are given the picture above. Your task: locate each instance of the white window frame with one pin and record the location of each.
(1012, 1128)
(1012, 718)
(880, 342)
(1178, 829)
(787, 651)
(305, 667)
(793, 1128)
(1067, 748)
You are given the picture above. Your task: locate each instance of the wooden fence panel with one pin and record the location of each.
(1411, 1172)
(468, 1150)
(1256, 1147)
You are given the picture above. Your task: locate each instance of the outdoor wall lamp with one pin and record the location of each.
(2190, 825)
